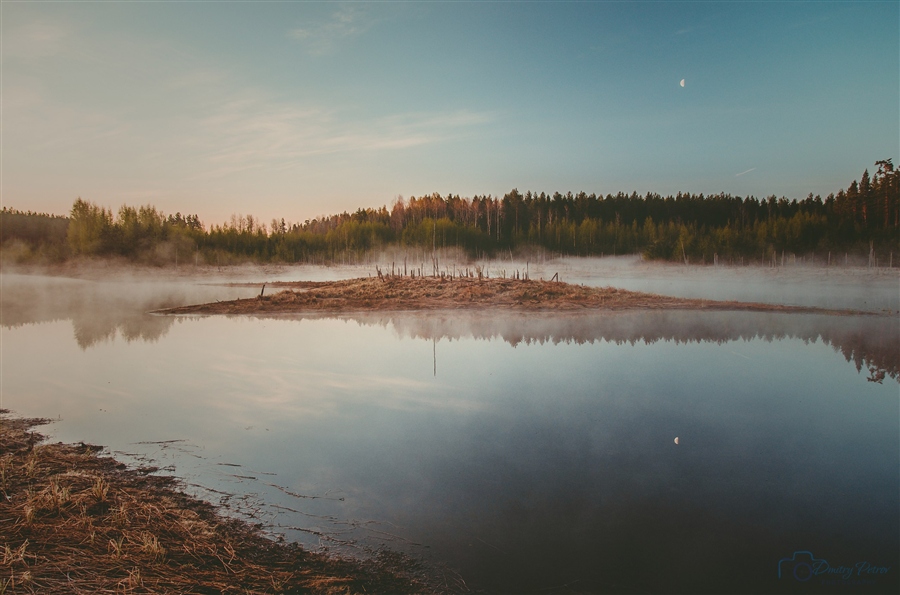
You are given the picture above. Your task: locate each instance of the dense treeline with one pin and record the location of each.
(863, 219)
(30, 236)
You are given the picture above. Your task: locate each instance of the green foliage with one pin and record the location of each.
(684, 227)
(90, 228)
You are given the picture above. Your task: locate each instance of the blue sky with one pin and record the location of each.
(299, 109)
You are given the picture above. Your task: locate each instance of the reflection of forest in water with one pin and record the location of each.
(101, 311)
(870, 342)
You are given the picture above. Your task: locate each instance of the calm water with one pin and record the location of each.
(525, 453)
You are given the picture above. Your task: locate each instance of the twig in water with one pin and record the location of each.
(296, 495)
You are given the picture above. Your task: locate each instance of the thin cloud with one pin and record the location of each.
(196, 78)
(47, 124)
(253, 133)
(744, 172)
(323, 38)
(38, 39)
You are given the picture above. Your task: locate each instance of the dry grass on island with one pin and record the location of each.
(389, 293)
(72, 521)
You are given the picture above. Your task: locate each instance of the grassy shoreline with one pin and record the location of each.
(74, 521)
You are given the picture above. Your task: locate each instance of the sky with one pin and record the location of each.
(303, 109)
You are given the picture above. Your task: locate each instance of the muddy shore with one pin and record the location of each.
(429, 293)
(75, 521)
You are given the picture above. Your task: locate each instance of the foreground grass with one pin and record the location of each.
(72, 521)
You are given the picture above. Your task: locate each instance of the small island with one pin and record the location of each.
(389, 293)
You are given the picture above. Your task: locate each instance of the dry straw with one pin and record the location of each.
(75, 522)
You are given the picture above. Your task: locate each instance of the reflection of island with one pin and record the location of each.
(871, 342)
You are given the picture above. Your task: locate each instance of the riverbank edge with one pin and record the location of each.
(76, 521)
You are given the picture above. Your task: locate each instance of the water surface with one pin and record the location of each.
(525, 453)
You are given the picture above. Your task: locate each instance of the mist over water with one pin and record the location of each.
(528, 453)
(118, 305)
(838, 287)
(102, 309)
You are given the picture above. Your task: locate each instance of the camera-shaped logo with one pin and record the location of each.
(802, 566)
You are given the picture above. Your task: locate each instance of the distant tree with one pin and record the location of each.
(888, 191)
(89, 227)
(865, 197)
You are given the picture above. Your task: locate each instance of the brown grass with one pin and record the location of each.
(429, 293)
(75, 522)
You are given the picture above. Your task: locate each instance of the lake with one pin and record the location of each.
(511, 452)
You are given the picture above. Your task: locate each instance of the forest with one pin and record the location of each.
(862, 221)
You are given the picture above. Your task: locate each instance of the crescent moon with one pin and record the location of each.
(682, 82)
(676, 439)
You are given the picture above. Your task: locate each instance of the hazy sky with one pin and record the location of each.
(298, 109)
